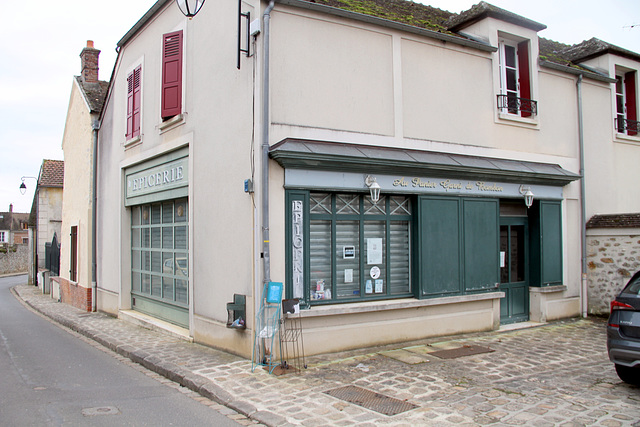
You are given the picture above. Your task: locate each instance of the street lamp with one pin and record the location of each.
(189, 8)
(527, 194)
(374, 188)
(23, 187)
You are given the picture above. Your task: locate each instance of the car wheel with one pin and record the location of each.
(628, 375)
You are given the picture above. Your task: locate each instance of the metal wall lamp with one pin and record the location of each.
(190, 8)
(23, 187)
(525, 190)
(374, 188)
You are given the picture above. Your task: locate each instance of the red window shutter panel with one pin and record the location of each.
(133, 103)
(630, 92)
(523, 71)
(129, 133)
(171, 75)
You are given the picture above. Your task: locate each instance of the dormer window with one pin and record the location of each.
(515, 81)
(626, 120)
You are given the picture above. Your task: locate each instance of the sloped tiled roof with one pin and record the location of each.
(94, 93)
(51, 173)
(595, 47)
(12, 220)
(406, 12)
(629, 220)
(485, 10)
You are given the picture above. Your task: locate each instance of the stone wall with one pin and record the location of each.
(612, 258)
(14, 259)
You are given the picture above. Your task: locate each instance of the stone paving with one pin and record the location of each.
(555, 374)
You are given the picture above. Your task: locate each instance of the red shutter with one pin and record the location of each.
(523, 71)
(630, 92)
(133, 103)
(171, 75)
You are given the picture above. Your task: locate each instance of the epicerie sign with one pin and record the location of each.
(158, 178)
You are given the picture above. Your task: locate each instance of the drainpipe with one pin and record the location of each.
(94, 285)
(265, 146)
(583, 225)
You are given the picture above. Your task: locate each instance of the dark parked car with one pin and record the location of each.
(623, 332)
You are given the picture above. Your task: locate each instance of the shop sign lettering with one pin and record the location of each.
(448, 185)
(298, 248)
(158, 178)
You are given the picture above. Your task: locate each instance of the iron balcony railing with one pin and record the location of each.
(515, 105)
(630, 127)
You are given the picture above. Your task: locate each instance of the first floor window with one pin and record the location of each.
(159, 251)
(353, 249)
(134, 86)
(3, 237)
(626, 108)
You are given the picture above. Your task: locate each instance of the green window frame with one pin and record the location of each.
(341, 247)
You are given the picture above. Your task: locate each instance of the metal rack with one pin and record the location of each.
(291, 340)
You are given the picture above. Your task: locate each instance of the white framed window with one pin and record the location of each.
(626, 119)
(515, 80)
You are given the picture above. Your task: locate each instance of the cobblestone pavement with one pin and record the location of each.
(556, 374)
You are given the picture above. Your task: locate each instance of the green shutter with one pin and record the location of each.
(551, 244)
(440, 253)
(481, 240)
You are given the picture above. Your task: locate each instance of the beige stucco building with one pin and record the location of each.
(222, 168)
(75, 282)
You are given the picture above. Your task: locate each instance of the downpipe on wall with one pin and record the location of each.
(583, 220)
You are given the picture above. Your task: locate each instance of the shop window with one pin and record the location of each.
(344, 248)
(159, 252)
(515, 80)
(626, 121)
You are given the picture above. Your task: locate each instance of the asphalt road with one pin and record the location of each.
(49, 377)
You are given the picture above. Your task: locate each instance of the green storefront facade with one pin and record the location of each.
(445, 226)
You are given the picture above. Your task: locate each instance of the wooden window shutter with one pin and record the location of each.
(630, 101)
(523, 71)
(133, 103)
(73, 272)
(171, 75)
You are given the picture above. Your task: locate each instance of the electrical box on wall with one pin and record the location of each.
(254, 27)
(248, 186)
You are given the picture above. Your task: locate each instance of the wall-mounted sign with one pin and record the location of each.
(374, 272)
(348, 252)
(166, 176)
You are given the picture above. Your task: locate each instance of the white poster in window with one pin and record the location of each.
(369, 287)
(502, 259)
(378, 286)
(374, 250)
(348, 275)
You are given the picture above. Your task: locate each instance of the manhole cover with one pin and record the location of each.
(371, 400)
(467, 350)
(102, 410)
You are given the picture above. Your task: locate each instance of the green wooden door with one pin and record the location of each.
(514, 271)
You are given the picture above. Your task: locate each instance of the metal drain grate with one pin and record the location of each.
(467, 350)
(371, 400)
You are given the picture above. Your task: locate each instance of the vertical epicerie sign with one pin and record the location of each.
(298, 248)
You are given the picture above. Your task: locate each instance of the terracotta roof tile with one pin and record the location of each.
(629, 220)
(51, 173)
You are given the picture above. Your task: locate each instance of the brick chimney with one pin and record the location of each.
(89, 62)
(10, 207)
